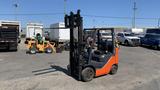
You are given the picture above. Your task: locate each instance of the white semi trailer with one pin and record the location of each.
(59, 35)
(33, 29)
(135, 30)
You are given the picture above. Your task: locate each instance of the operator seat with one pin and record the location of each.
(106, 47)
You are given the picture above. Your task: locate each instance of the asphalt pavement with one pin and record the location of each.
(138, 70)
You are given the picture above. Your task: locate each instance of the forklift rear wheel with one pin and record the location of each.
(114, 69)
(49, 50)
(32, 50)
(87, 74)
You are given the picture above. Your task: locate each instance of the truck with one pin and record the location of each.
(9, 35)
(59, 35)
(153, 30)
(151, 39)
(33, 29)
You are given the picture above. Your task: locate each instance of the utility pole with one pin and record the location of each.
(94, 23)
(158, 22)
(15, 5)
(134, 15)
(65, 2)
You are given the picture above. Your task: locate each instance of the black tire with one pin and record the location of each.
(32, 50)
(19, 41)
(88, 74)
(26, 42)
(120, 43)
(114, 69)
(126, 43)
(69, 69)
(49, 50)
(156, 47)
(141, 44)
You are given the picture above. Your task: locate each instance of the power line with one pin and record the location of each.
(147, 18)
(32, 14)
(113, 17)
(85, 15)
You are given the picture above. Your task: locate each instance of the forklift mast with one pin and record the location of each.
(75, 23)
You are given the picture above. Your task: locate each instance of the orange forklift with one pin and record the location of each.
(90, 54)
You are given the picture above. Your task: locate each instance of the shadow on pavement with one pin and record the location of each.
(150, 48)
(53, 68)
(5, 50)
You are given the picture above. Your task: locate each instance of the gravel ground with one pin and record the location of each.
(138, 67)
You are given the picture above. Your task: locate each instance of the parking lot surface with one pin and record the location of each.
(138, 70)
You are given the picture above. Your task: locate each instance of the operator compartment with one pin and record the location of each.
(99, 46)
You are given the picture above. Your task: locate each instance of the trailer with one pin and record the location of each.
(59, 35)
(33, 29)
(9, 35)
(135, 30)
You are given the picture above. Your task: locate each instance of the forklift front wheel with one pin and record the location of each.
(87, 74)
(114, 69)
